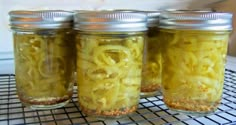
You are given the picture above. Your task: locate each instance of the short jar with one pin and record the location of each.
(109, 61)
(44, 53)
(151, 73)
(194, 48)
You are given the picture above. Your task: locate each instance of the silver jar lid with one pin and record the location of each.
(188, 10)
(126, 10)
(196, 20)
(153, 18)
(109, 21)
(43, 19)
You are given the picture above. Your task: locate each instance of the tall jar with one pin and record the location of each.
(44, 57)
(109, 61)
(194, 54)
(151, 75)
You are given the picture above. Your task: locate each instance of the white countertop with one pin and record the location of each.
(231, 63)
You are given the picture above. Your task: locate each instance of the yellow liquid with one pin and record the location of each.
(151, 75)
(45, 64)
(193, 69)
(109, 73)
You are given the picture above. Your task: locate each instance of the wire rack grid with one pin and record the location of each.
(151, 111)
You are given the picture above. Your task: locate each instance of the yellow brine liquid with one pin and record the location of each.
(109, 72)
(45, 65)
(193, 69)
(151, 73)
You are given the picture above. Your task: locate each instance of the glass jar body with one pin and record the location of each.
(151, 75)
(109, 66)
(193, 69)
(44, 67)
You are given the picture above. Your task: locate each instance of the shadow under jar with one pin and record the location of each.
(109, 62)
(44, 53)
(194, 54)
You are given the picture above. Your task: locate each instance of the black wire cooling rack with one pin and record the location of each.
(151, 111)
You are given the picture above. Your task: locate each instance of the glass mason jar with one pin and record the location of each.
(109, 61)
(44, 53)
(151, 73)
(194, 48)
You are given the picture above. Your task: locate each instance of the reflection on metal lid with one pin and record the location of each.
(40, 19)
(110, 21)
(199, 20)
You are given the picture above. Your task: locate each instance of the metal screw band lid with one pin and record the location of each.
(43, 19)
(188, 10)
(109, 21)
(153, 18)
(198, 20)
